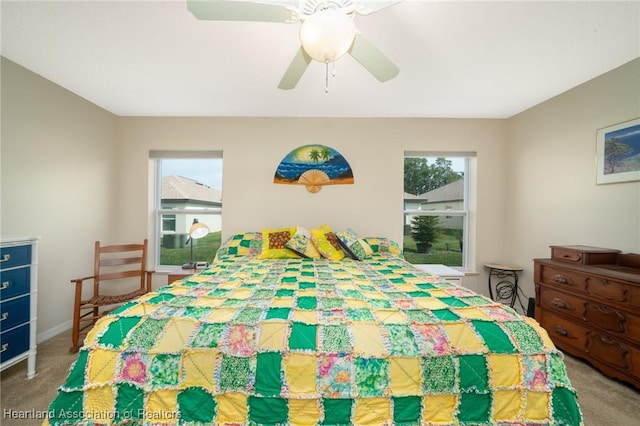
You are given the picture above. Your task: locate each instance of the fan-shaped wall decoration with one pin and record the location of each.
(313, 166)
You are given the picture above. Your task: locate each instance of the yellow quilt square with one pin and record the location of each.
(507, 405)
(439, 408)
(429, 303)
(505, 370)
(198, 366)
(355, 303)
(390, 316)
(282, 302)
(288, 286)
(308, 292)
(305, 315)
(372, 295)
(232, 408)
(405, 376)
(208, 302)
(141, 309)
(96, 331)
(178, 290)
(229, 284)
(405, 287)
(300, 373)
(175, 336)
(273, 335)
(102, 366)
(471, 313)
(161, 407)
(221, 315)
(304, 412)
(373, 411)
(99, 403)
(463, 338)
(368, 340)
(438, 293)
(537, 406)
(240, 293)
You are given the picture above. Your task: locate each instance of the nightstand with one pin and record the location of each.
(179, 273)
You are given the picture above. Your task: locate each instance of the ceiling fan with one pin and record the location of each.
(327, 30)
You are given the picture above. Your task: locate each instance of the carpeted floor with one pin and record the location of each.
(603, 401)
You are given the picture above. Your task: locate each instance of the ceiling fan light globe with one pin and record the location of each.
(327, 35)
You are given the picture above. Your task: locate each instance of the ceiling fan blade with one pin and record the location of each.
(371, 6)
(294, 73)
(373, 59)
(226, 10)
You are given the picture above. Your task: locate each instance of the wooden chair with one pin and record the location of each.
(115, 267)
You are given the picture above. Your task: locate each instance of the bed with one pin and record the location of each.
(264, 337)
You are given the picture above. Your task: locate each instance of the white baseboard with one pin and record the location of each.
(48, 334)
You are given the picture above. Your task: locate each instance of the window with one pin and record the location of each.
(436, 208)
(188, 190)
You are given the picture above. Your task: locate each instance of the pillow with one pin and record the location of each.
(273, 243)
(354, 246)
(383, 245)
(327, 243)
(301, 243)
(242, 244)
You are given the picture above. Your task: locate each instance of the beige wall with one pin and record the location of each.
(58, 182)
(88, 175)
(553, 197)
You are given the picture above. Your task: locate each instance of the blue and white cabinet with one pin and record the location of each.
(18, 301)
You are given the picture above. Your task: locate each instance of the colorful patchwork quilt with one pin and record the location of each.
(252, 341)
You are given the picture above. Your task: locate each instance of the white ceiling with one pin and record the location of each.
(456, 59)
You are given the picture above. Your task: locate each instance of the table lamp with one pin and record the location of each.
(197, 231)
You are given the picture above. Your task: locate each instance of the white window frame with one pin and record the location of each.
(464, 213)
(155, 158)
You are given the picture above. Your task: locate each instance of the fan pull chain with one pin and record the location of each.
(326, 77)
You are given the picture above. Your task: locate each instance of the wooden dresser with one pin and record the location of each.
(588, 300)
(18, 301)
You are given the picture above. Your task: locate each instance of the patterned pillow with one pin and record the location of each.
(274, 243)
(301, 243)
(241, 244)
(327, 243)
(354, 246)
(383, 245)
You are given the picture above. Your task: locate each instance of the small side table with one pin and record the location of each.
(178, 274)
(505, 280)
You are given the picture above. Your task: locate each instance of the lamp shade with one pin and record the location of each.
(327, 35)
(198, 230)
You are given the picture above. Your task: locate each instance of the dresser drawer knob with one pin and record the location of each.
(5, 258)
(4, 316)
(4, 347)
(560, 279)
(559, 303)
(5, 285)
(561, 331)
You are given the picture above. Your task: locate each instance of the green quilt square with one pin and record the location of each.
(129, 401)
(526, 337)
(420, 316)
(359, 314)
(278, 313)
(474, 375)
(426, 286)
(268, 380)
(445, 315)
(208, 336)
(117, 331)
(453, 302)
(306, 284)
(494, 337)
(419, 294)
(67, 405)
(475, 408)
(337, 411)
(146, 334)
(268, 411)
(163, 371)
(565, 406)
(249, 315)
(331, 303)
(75, 380)
(196, 405)
(285, 293)
(379, 303)
(372, 377)
(307, 302)
(303, 336)
(335, 338)
(406, 410)
(439, 374)
(234, 373)
(161, 298)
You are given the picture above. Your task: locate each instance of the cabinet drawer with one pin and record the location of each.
(14, 312)
(14, 342)
(15, 256)
(597, 315)
(14, 282)
(584, 255)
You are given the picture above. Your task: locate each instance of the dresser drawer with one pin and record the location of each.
(14, 342)
(597, 315)
(13, 256)
(14, 282)
(14, 312)
(584, 255)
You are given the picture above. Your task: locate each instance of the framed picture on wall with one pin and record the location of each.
(618, 152)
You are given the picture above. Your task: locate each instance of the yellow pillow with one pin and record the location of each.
(274, 243)
(327, 243)
(301, 243)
